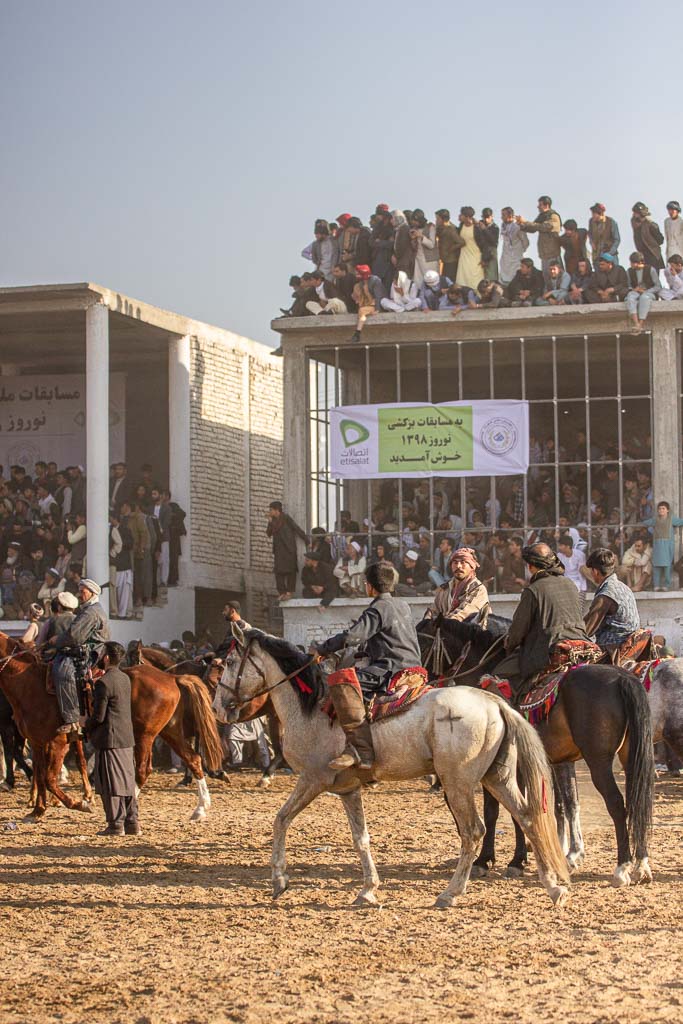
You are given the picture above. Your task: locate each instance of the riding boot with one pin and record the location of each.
(358, 752)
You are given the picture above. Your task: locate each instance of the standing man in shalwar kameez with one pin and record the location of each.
(110, 730)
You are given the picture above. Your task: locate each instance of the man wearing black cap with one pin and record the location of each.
(317, 578)
(647, 236)
(644, 289)
(549, 611)
(673, 229)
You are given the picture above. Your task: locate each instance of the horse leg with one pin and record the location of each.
(460, 799)
(278, 759)
(504, 786)
(174, 736)
(641, 870)
(301, 796)
(567, 813)
(38, 788)
(18, 755)
(606, 785)
(143, 760)
(83, 770)
(8, 747)
(56, 752)
(487, 858)
(355, 812)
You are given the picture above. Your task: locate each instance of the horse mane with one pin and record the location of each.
(308, 683)
(469, 632)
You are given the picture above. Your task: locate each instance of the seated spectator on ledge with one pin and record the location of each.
(491, 295)
(636, 566)
(608, 283)
(580, 282)
(403, 297)
(674, 279)
(344, 283)
(350, 571)
(327, 301)
(324, 250)
(413, 576)
(556, 286)
(367, 294)
(527, 285)
(432, 289)
(644, 289)
(317, 579)
(457, 298)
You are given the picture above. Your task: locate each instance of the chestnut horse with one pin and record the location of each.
(156, 711)
(161, 659)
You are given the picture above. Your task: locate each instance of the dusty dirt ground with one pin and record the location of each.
(178, 925)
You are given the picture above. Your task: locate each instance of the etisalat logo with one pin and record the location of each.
(354, 434)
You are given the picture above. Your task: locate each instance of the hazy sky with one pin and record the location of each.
(181, 152)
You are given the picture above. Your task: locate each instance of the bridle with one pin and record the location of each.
(455, 675)
(246, 658)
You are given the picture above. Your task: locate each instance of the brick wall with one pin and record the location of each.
(236, 436)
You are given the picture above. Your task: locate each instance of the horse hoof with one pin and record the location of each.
(642, 872)
(198, 814)
(513, 871)
(365, 899)
(32, 819)
(280, 885)
(85, 806)
(479, 871)
(621, 876)
(575, 861)
(264, 782)
(559, 894)
(444, 902)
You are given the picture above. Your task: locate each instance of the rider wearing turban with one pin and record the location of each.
(464, 596)
(549, 611)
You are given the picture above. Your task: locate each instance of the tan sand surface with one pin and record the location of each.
(178, 925)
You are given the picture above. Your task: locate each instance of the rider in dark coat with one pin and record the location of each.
(89, 630)
(549, 611)
(385, 634)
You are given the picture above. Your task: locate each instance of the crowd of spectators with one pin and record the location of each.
(402, 262)
(43, 538)
(418, 536)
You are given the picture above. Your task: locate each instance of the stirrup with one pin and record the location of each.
(349, 758)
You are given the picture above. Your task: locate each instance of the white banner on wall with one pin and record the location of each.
(43, 417)
(488, 438)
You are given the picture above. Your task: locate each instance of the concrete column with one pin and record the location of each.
(97, 443)
(665, 417)
(179, 444)
(296, 456)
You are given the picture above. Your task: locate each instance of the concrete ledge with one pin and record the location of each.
(305, 621)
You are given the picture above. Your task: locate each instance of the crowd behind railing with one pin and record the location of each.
(43, 538)
(403, 262)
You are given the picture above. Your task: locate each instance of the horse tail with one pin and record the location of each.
(200, 704)
(536, 782)
(640, 764)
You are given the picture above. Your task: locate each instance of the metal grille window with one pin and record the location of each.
(590, 443)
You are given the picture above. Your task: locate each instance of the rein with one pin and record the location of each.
(240, 671)
(455, 673)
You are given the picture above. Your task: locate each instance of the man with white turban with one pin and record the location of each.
(403, 296)
(431, 290)
(80, 647)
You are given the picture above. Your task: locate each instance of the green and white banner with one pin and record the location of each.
(416, 440)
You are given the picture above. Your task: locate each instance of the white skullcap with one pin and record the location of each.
(356, 546)
(68, 600)
(93, 587)
(431, 278)
(412, 555)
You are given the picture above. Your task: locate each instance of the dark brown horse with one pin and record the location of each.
(156, 711)
(210, 674)
(601, 711)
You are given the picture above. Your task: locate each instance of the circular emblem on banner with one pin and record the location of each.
(499, 435)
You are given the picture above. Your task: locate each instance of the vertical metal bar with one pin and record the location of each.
(557, 435)
(400, 480)
(368, 493)
(461, 395)
(525, 486)
(620, 451)
(493, 519)
(337, 400)
(589, 471)
(431, 478)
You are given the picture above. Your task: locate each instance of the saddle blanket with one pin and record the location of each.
(644, 670)
(537, 704)
(404, 688)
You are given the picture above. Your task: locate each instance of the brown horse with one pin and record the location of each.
(211, 674)
(156, 711)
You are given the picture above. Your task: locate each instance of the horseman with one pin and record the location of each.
(385, 634)
(549, 611)
(613, 616)
(77, 649)
(464, 596)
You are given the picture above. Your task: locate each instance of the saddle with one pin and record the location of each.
(638, 647)
(86, 676)
(542, 690)
(404, 688)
